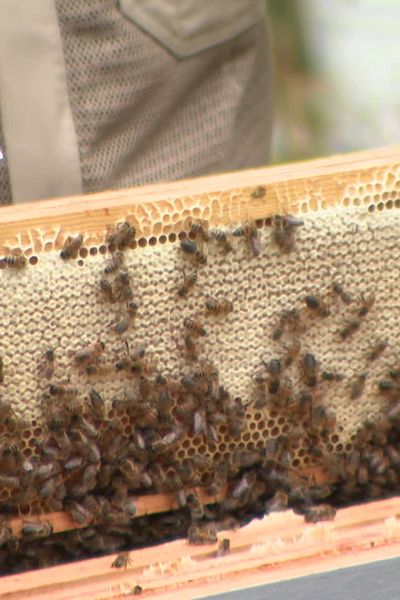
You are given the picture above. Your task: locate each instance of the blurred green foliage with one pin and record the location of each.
(299, 119)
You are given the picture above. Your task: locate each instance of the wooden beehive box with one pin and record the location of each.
(349, 206)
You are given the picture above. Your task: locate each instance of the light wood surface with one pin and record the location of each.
(278, 547)
(145, 505)
(226, 198)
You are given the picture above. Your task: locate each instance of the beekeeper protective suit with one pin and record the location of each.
(103, 94)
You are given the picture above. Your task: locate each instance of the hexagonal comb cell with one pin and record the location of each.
(236, 357)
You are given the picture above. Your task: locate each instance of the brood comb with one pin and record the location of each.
(181, 354)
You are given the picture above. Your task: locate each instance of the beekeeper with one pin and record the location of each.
(104, 94)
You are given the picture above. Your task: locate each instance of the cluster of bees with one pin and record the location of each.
(89, 466)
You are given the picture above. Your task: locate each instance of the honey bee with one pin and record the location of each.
(292, 352)
(167, 442)
(189, 280)
(73, 463)
(5, 409)
(115, 263)
(331, 376)
(164, 398)
(200, 228)
(145, 387)
(366, 304)
(121, 236)
(89, 355)
(393, 414)
(252, 236)
(246, 458)
(191, 249)
(78, 513)
(236, 428)
(278, 502)
(146, 414)
(45, 471)
(218, 306)
(212, 434)
(137, 590)
(350, 328)
(195, 327)
(71, 247)
(310, 368)
(10, 482)
(188, 246)
(122, 325)
(206, 370)
(84, 446)
(89, 476)
(57, 418)
(47, 488)
(323, 420)
(337, 289)
(358, 386)
(123, 502)
(283, 231)
(222, 240)
(319, 512)
(353, 463)
(190, 347)
(395, 373)
(216, 417)
(393, 455)
(122, 287)
(5, 532)
(62, 391)
(132, 308)
(32, 531)
(317, 306)
(242, 487)
(195, 506)
(390, 388)
(86, 426)
(274, 369)
(98, 506)
(47, 367)
(15, 262)
(259, 192)
(132, 361)
(106, 290)
(224, 547)
(97, 404)
(259, 395)
(283, 396)
(181, 498)
(63, 442)
(218, 481)
(200, 422)
(377, 461)
(185, 410)
(73, 407)
(377, 348)
(202, 533)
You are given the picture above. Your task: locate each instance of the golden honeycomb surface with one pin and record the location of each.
(57, 304)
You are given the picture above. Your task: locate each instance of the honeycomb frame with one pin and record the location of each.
(367, 182)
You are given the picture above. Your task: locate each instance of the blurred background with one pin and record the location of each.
(337, 75)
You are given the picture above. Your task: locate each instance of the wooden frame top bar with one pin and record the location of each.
(97, 211)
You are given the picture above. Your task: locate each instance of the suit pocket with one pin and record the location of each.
(187, 27)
